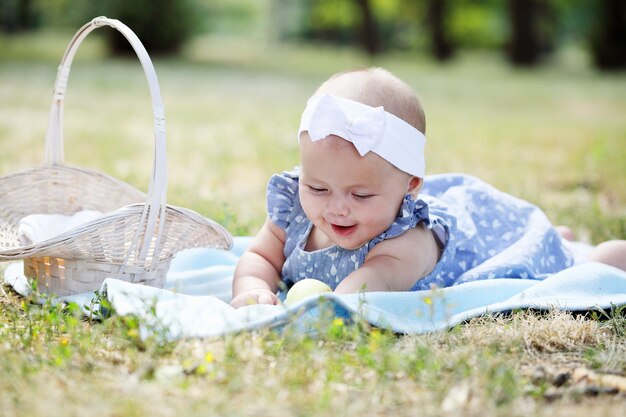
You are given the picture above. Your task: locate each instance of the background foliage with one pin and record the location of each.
(538, 26)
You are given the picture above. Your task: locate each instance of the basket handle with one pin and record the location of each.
(154, 209)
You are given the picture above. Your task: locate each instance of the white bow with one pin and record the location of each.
(368, 128)
(363, 128)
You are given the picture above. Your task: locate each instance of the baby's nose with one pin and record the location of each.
(338, 206)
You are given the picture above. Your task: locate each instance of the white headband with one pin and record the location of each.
(368, 128)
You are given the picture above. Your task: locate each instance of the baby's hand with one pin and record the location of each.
(255, 297)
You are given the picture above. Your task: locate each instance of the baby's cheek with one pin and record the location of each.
(373, 229)
(381, 219)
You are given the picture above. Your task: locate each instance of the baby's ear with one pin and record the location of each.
(414, 187)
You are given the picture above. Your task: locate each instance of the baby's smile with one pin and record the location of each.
(343, 230)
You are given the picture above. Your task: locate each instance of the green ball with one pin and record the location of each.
(305, 288)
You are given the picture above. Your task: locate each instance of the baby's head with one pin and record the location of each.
(358, 161)
(378, 87)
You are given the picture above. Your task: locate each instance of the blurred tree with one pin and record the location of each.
(523, 48)
(369, 31)
(18, 15)
(352, 22)
(533, 31)
(375, 25)
(162, 25)
(328, 21)
(440, 42)
(608, 36)
(478, 23)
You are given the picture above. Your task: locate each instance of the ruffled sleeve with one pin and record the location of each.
(282, 192)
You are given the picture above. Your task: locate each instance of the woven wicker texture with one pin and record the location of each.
(138, 234)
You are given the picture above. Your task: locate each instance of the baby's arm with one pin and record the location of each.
(395, 264)
(257, 274)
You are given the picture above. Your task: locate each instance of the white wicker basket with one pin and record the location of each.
(138, 234)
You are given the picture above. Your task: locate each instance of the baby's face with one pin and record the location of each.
(349, 198)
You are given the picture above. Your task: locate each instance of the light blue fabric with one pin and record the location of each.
(189, 312)
(487, 234)
(194, 302)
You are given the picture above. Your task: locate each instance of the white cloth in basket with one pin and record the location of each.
(36, 228)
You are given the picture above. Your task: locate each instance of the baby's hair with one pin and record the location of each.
(378, 87)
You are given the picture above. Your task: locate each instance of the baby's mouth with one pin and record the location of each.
(343, 230)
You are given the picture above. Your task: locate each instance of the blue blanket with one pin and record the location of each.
(194, 302)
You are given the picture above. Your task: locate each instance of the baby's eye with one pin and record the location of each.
(316, 189)
(362, 196)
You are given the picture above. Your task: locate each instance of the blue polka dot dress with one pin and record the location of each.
(484, 234)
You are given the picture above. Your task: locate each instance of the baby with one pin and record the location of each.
(350, 214)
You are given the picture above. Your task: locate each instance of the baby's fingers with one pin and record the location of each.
(254, 297)
(243, 300)
(267, 299)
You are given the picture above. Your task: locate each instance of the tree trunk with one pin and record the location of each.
(369, 31)
(524, 43)
(440, 43)
(608, 41)
(17, 15)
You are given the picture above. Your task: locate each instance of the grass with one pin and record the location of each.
(555, 136)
